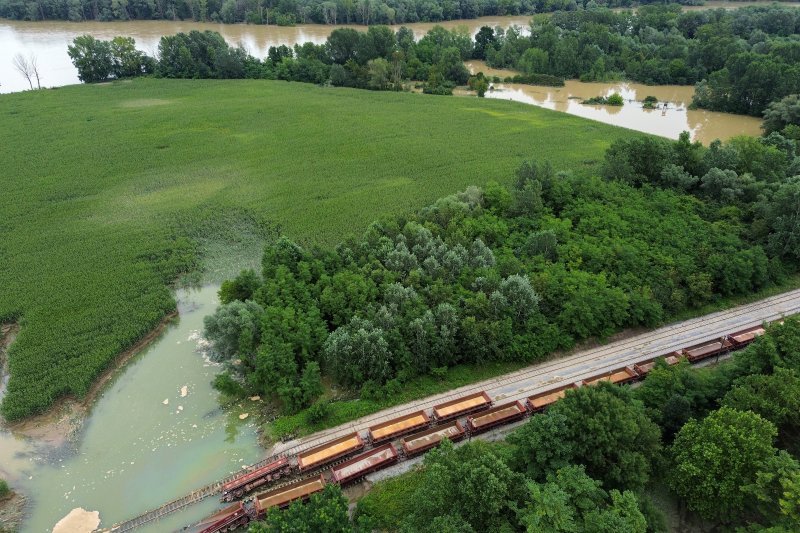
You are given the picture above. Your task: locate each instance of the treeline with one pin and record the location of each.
(514, 274)
(741, 60)
(723, 441)
(378, 59)
(290, 12)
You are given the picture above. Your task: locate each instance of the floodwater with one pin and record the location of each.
(48, 40)
(134, 452)
(704, 126)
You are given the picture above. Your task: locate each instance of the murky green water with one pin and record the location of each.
(134, 452)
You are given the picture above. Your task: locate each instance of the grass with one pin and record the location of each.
(341, 412)
(389, 501)
(111, 192)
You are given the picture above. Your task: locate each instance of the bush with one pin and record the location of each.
(4, 489)
(318, 412)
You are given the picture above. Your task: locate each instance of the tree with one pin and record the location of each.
(234, 329)
(92, 57)
(127, 61)
(358, 352)
(240, 288)
(28, 67)
(379, 73)
(619, 449)
(706, 471)
(572, 502)
(484, 39)
(782, 216)
(782, 113)
(775, 397)
(471, 482)
(534, 61)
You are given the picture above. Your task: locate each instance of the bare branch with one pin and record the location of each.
(23, 67)
(34, 63)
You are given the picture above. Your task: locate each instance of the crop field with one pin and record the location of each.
(112, 192)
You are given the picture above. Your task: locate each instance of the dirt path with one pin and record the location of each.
(62, 421)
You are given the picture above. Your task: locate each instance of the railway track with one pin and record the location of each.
(519, 385)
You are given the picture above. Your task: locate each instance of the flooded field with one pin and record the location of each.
(705, 126)
(156, 433)
(48, 41)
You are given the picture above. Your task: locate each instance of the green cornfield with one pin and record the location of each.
(111, 192)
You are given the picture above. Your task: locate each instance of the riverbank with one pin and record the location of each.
(64, 419)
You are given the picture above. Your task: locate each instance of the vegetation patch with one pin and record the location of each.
(95, 228)
(508, 276)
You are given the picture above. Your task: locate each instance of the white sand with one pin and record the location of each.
(78, 521)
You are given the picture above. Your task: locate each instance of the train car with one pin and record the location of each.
(364, 464)
(462, 406)
(496, 416)
(236, 488)
(425, 440)
(285, 496)
(740, 339)
(543, 400)
(705, 350)
(617, 377)
(646, 367)
(403, 425)
(227, 519)
(330, 451)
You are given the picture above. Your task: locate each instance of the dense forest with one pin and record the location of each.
(514, 274)
(289, 12)
(716, 448)
(741, 61)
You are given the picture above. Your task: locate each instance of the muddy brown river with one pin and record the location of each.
(48, 41)
(704, 126)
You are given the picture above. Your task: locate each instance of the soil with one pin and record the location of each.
(61, 422)
(11, 512)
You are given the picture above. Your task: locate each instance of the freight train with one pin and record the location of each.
(415, 433)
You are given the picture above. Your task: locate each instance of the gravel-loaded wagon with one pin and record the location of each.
(543, 400)
(425, 440)
(645, 368)
(740, 339)
(330, 451)
(496, 416)
(364, 464)
(707, 349)
(285, 496)
(462, 406)
(617, 377)
(403, 425)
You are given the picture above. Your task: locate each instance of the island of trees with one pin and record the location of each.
(741, 61)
